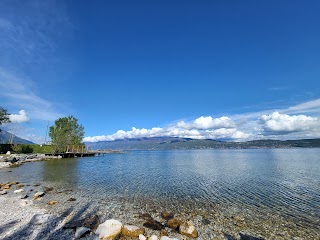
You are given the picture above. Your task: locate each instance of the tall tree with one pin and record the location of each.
(4, 116)
(66, 131)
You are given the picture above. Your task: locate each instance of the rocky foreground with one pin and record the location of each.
(15, 160)
(21, 217)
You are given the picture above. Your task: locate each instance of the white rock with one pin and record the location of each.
(80, 231)
(168, 238)
(18, 191)
(142, 237)
(38, 219)
(8, 153)
(3, 192)
(24, 202)
(110, 229)
(153, 237)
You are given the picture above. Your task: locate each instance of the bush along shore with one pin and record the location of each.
(15, 160)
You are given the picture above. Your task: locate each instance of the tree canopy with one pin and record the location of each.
(66, 131)
(4, 116)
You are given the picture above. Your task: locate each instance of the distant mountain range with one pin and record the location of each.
(171, 143)
(5, 137)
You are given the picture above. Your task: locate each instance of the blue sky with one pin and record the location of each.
(234, 70)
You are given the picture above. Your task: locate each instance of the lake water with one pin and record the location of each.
(273, 193)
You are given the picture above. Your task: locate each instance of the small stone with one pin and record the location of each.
(20, 185)
(131, 231)
(173, 223)
(109, 230)
(153, 237)
(47, 189)
(52, 202)
(163, 232)
(18, 191)
(7, 186)
(188, 230)
(24, 196)
(153, 224)
(25, 202)
(142, 237)
(38, 195)
(248, 237)
(205, 221)
(168, 238)
(39, 219)
(145, 216)
(80, 232)
(37, 185)
(167, 215)
(3, 192)
(71, 199)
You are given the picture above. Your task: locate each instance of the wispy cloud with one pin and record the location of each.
(247, 126)
(19, 92)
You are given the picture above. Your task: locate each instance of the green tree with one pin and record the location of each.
(66, 131)
(4, 116)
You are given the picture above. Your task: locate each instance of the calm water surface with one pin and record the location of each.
(285, 182)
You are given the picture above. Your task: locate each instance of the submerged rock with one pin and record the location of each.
(173, 223)
(24, 196)
(71, 199)
(167, 215)
(110, 229)
(188, 229)
(132, 231)
(18, 191)
(80, 232)
(52, 202)
(38, 195)
(39, 219)
(248, 237)
(153, 224)
(91, 222)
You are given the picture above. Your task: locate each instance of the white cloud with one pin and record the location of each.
(208, 122)
(18, 118)
(283, 123)
(200, 128)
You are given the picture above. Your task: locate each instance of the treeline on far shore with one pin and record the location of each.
(25, 148)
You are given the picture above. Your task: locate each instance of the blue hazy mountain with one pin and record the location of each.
(5, 137)
(171, 143)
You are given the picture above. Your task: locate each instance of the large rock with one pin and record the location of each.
(131, 231)
(188, 229)
(91, 222)
(109, 230)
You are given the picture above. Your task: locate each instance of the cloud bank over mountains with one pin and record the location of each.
(273, 125)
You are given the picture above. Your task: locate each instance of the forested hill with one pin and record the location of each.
(167, 143)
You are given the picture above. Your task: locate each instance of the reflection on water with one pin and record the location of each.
(279, 181)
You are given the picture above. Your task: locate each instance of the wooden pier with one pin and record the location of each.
(82, 151)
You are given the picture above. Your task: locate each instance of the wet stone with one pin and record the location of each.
(173, 223)
(153, 224)
(52, 203)
(71, 199)
(24, 196)
(167, 215)
(81, 231)
(145, 216)
(248, 237)
(131, 231)
(188, 230)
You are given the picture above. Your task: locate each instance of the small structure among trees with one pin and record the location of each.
(66, 131)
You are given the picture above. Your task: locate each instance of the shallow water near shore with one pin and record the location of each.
(272, 193)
